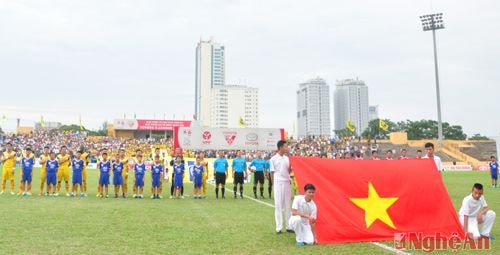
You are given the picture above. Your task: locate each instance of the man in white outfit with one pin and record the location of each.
(304, 213)
(475, 211)
(429, 147)
(280, 169)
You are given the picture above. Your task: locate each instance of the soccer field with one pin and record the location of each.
(63, 225)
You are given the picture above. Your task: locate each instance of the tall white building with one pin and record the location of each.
(210, 72)
(351, 103)
(232, 102)
(313, 108)
(372, 112)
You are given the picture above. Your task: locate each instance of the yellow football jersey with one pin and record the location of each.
(63, 160)
(43, 160)
(9, 159)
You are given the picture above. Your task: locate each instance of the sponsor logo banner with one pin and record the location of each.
(198, 138)
(155, 125)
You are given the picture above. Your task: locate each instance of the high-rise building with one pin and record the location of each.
(230, 103)
(372, 112)
(210, 72)
(313, 108)
(351, 103)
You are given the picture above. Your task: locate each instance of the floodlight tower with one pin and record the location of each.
(433, 22)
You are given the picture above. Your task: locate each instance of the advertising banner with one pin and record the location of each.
(197, 138)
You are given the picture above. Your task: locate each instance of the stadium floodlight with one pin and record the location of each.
(433, 22)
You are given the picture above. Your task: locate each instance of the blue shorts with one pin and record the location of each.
(493, 176)
(178, 181)
(26, 176)
(51, 178)
(156, 181)
(104, 179)
(117, 179)
(77, 177)
(139, 180)
(197, 182)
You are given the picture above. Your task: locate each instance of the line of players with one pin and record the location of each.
(55, 170)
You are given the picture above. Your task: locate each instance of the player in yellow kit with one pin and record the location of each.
(162, 162)
(121, 158)
(9, 164)
(43, 173)
(63, 173)
(85, 158)
(204, 177)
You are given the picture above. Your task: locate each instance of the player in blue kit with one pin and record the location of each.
(118, 167)
(239, 166)
(220, 167)
(139, 170)
(77, 164)
(257, 166)
(156, 176)
(27, 162)
(104, 168)
(52, 166)
(198, 177)
(493, 171)
(178, 177)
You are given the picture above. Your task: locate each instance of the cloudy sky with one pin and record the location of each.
(103, 59)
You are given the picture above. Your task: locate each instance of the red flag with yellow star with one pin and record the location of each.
(368, 200)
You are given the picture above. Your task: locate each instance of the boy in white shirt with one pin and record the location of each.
(303, 219)
(429, 147)
(475, 211)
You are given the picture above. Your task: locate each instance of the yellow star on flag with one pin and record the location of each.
(375, 207)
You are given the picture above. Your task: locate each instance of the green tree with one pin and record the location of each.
(478, 137)
(374, 131)
(344, 133)
(103, 131)
(72, 127)
(428, 129)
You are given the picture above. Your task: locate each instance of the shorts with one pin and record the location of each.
(198, 181)
(117, 179)
(26, 176)
(7, 174)
(494, 177)
(51, 178)
(156, 182)
(178, 181)
(238, 178)
(77, 178)
(220, 178)
(258, 177)
(104, 179)
(139, 180)
(63, 174)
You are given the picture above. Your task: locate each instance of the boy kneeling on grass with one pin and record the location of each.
(303, 217)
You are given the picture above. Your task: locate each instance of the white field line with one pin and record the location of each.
(380, 245)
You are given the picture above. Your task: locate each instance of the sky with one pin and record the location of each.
(103, 60)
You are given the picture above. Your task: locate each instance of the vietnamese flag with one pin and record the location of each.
(368, 200)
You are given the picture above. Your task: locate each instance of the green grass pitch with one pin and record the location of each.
(63, 225)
